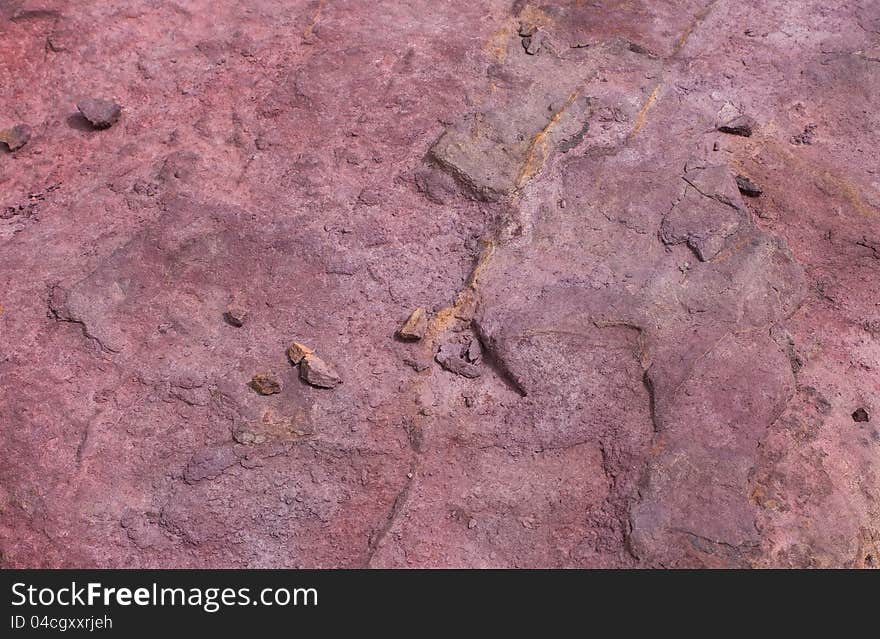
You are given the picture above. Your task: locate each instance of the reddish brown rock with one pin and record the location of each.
(102, 114)
(296, 352)
(265, 384)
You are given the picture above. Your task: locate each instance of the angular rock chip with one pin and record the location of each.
(16, 137)
(741, 125)
(235, 316)
(101, 113)
(296, 352)
(861, 415)
(452, 357)
(315, 371)
(415, 326)
(747, 187)
(265, 384)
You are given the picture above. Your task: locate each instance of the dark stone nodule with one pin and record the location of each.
(235, 316)
(742, 125)
(861, 415)
(747, 187)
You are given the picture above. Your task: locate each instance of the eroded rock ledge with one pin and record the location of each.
(552, 330)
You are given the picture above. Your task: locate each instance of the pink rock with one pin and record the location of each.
(648, 369)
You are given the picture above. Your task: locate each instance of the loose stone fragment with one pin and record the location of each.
(415, 326)
(16, 137)
(315, 371)
(235, 316)
(747, 187)
(101, 113)
(265, 384)
(861, 415)
(741, 125)
(296, 352)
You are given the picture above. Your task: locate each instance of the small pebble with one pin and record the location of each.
(235, 316)
(101, 113)
(415, 326)
(861, 415)
(16, 137)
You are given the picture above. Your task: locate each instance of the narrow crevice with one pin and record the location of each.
(60, 314)
(497, 365)
(396, 508)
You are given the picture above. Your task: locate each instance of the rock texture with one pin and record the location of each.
(621, 362)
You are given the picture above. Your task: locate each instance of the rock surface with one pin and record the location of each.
(667, 374)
